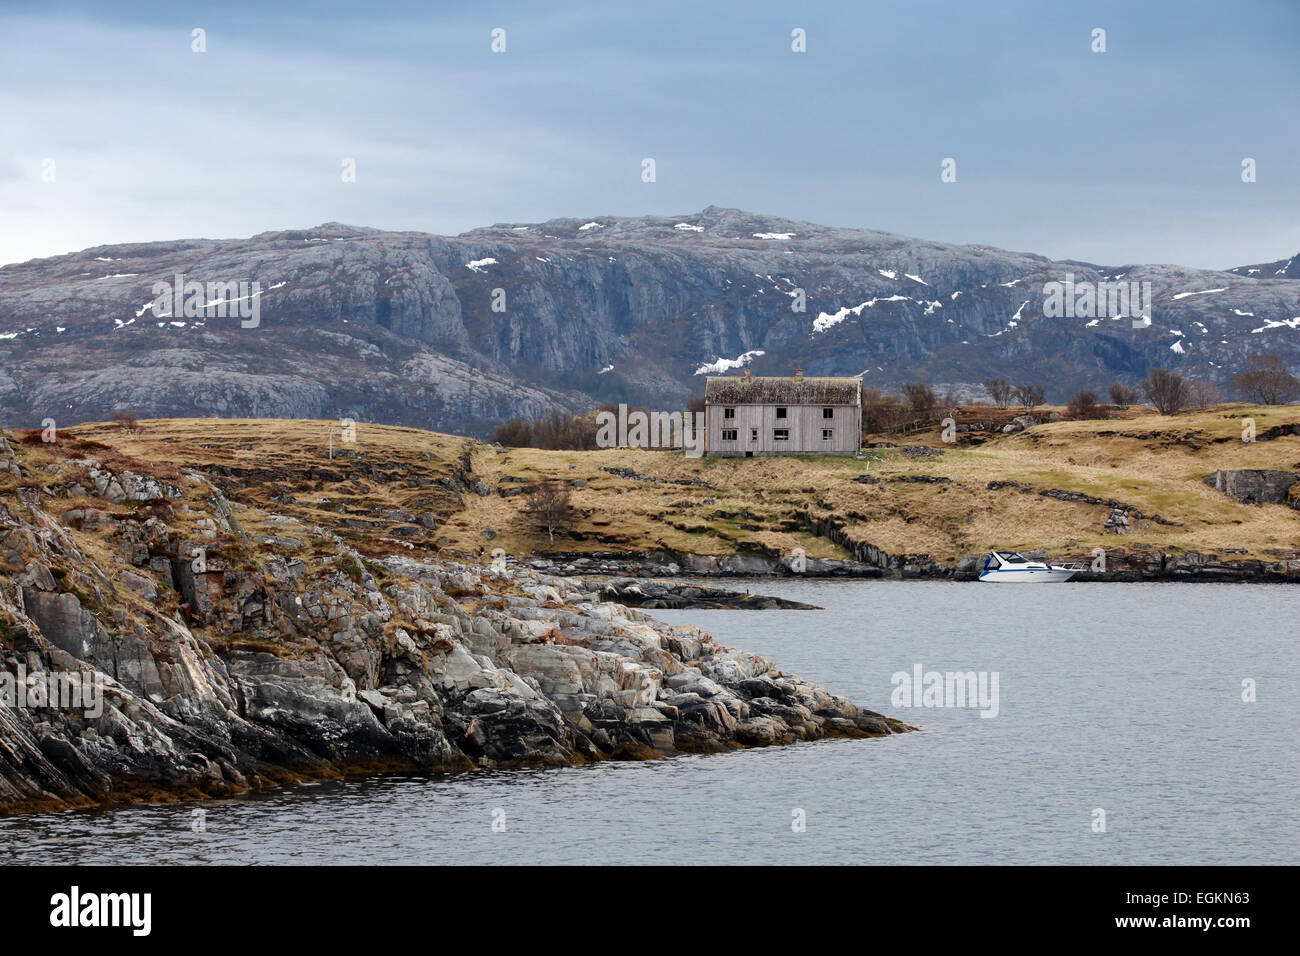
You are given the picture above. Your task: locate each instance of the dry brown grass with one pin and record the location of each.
(1153, 463)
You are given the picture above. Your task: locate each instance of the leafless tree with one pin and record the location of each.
(1168, 391)
(1084, 406)
(1000, 390)
(126, 421)
(1204, 394)
(548, 503)
(515, 433)
(1122, 395)
(1266, 380)
(880, 412)
(1029, 396)
(920, 397)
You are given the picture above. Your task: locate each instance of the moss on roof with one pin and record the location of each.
(785, 390)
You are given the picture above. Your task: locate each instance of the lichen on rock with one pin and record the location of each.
(228, 664)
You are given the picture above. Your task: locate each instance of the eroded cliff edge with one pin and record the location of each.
(228, 661)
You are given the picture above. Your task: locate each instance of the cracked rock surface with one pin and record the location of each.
(257, 664)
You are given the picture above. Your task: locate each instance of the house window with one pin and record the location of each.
(728, 413)
(780, 434)
(753, 434)
(828, 434)
(781, 412)
(728, 434)
(828, 413)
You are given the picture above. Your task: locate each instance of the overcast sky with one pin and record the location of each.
(1132, 155)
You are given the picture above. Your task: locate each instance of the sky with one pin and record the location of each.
(113, 129)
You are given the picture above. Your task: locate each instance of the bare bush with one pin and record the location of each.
(548, 504)
(881, 412)
(556, 430)
(1000, 391)
(1029, 396)
(1168, 391)
(1266, 380)
(1122, 395)
(1203, 393)
(126, 421)
(1084, 406)
(920, 398)
(515, 433)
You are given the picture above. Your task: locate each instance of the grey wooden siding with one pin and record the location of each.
(804, 425)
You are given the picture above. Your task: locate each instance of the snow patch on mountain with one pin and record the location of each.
(720, 364)
(1284, 323)
(826, 320)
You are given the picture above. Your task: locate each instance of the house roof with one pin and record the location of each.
(785, 390)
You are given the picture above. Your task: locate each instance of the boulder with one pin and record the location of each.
(140, 584)
(1257, 486)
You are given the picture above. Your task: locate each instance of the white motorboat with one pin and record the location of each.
(1000, 566)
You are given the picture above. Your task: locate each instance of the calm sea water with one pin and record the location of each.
(1120, 697)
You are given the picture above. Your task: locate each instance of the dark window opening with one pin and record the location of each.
(781, 413)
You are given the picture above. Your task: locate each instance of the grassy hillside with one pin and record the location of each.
(400, 489)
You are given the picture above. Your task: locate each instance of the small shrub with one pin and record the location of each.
(1122, 396)
(1084, 406)
(349, 566)
(1168, 391)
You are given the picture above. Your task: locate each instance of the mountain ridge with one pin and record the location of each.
(509, 320)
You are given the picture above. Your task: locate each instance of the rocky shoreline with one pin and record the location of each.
(643, 593)
(249, 668)
(1135, 564)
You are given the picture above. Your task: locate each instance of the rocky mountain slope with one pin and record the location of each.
(459, 333)
(238, 648)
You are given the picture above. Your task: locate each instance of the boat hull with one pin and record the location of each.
(1028, 575)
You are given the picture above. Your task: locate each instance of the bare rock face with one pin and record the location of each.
(461, 333)
(257, 666)
(62, 619)
(1257, 485)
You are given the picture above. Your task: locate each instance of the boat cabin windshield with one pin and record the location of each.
(1011, 557)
